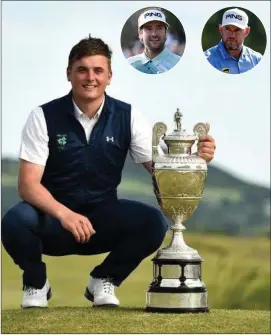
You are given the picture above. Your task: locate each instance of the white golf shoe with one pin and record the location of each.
(101, 292)
(34, 297)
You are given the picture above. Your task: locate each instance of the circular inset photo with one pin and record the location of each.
(234, 40)
(153, 40)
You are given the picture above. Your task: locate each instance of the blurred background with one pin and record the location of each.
(256, 39)
(231, 227)
(131, 44)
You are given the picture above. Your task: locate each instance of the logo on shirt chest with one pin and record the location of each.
(225, 70)
(61, 140)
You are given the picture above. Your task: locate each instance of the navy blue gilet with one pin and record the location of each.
(78, 172)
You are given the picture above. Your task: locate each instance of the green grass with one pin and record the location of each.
(132, 320)
(9, 180)
(215, 194)
(236, 272)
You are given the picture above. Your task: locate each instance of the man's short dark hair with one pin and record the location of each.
(90, 47)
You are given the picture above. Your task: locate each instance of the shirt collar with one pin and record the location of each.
(156, 60)
(227, 55)
(245, 51)
(78, 113)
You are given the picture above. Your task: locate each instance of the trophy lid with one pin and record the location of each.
(180, 134)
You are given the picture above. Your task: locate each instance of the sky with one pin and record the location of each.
(37, 37)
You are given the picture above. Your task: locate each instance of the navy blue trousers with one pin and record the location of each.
(129, 230)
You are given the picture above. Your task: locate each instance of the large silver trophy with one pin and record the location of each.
(178, 180)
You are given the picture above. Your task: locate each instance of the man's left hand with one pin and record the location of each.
(206, 148)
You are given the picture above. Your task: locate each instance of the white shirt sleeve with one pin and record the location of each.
(141, 138)
(34, 143)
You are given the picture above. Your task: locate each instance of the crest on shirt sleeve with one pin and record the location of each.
(61, 141)
(225, 70)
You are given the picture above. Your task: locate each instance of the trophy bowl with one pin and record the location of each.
(179, 192)
(178, 181)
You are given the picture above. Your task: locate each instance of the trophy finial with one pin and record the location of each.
(177, 118)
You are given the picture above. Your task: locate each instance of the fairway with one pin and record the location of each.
(236, 272)
(132, 320)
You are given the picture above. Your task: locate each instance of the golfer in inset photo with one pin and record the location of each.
(153, 34)
(231, 55)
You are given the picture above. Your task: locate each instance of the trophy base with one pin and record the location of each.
(176, 310)
(177, 287)
(181, 299)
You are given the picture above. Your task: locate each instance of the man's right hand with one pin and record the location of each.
(78, 225)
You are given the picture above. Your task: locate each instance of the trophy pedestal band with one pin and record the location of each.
(176, 310)
(178, 302)
(177, 287)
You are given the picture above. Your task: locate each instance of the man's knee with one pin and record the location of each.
(18, 218)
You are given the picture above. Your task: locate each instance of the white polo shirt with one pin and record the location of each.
(34, 144)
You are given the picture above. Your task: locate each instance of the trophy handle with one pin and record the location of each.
(158, 130)
(201, 129)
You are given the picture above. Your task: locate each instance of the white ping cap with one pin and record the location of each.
(235, 17)
(151, 15)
